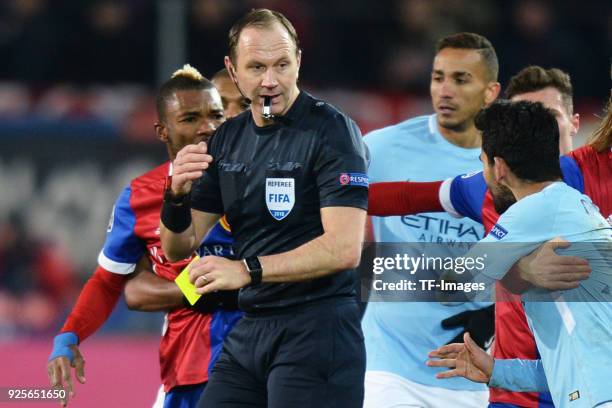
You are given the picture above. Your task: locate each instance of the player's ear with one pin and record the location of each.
(161, 131)
(492, 92)
(500, 168)
(575, 121)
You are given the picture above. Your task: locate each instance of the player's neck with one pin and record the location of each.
(468, 138)
(522, 189)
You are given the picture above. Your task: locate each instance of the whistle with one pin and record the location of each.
(267, 109)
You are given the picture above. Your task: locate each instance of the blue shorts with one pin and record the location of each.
(184, 396)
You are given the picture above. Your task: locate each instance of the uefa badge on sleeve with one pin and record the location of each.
(280, 196)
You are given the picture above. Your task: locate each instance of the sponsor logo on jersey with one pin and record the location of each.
(354, 179)
(498, 231)
(280, 196)
(111, 221)
(431, 228)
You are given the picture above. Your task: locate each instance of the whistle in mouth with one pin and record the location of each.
(267, 110)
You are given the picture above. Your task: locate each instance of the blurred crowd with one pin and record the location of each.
(387, 44)
(37, 281)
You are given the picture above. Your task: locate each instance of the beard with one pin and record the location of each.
(502, 198)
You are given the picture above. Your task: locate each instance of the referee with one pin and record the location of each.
(290, 177)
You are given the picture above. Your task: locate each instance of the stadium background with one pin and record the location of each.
(77, 86)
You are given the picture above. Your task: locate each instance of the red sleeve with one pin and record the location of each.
(95, 303)
(403, 198)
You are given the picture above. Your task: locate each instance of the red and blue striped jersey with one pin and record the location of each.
(191, 341)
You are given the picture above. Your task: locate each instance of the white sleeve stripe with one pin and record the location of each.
(445, 198)
(115, 267)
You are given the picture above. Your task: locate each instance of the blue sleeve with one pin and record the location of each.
(122, 248)
(572, 176)
(519, 375)
(467, 193)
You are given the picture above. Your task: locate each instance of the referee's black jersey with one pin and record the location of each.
(271, 183)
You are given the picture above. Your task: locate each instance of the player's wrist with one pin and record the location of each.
(523, 269)
(61, 345)
(176, 211)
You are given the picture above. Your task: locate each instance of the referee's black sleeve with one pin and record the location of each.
(341, 165)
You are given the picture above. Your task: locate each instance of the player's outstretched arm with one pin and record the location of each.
(95, 303)
(463, 360)
(544, 268)
(404, 198)
(519, 375)
(147, 292)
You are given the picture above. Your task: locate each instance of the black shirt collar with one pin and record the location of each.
(295, 111)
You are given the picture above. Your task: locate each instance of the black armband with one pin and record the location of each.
(176, 212)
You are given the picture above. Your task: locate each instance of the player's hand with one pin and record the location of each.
(545, 269)
(188, 166)
(213, 273)
(480, 323)
(463, 360)
(60, 376)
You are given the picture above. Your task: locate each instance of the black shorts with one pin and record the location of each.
(304, 356)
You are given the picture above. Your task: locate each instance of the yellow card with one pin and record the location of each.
(188, 288)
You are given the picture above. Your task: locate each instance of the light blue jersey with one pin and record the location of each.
(399, 335)
(574, 332)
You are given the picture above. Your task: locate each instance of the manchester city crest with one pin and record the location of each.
(280, 196)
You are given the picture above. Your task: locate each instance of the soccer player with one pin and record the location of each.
(290, 176)
(233, 101)
(463, 80)
(588, 169)
(572, 329)
(189, 111)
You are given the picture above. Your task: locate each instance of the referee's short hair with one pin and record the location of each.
(263, 18)
(185, 79)
(472, 41)
(535, 78)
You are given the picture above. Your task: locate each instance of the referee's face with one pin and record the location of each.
(267, 64)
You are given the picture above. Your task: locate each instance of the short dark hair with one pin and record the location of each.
(222, 73)
(472, 41)
(263, 18)
(185, 79)
(524, 134)
(535, 78)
